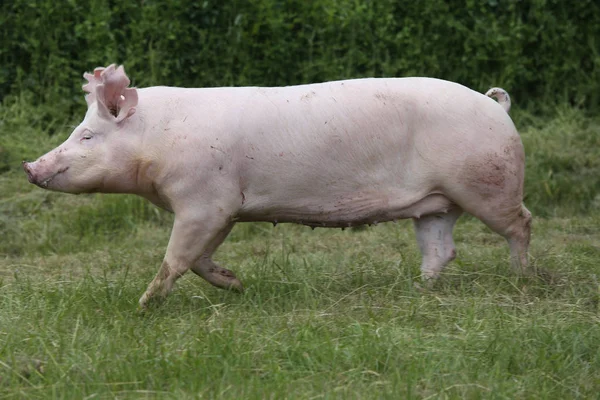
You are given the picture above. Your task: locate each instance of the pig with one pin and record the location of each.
(334, 155)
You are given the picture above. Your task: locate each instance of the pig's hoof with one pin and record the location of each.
(236, 286)
(147, 302)
(422, 287)
(428, 283)
(225, 279)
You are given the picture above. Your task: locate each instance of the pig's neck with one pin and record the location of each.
(143, 182)
(134, 174)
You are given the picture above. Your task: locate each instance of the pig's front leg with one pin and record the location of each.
(191, 236)
(206, 268)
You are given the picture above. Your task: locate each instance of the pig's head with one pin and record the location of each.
(100, 153)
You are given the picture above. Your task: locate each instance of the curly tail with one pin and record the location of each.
(501, 95)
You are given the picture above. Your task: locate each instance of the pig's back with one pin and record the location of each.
(366, 140)
(345, 148)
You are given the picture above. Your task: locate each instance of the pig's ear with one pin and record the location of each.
(94, 80)
(109, 88)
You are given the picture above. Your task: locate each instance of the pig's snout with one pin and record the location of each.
(40, 175)
(29, 171)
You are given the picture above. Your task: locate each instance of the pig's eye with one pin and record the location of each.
(87, 136)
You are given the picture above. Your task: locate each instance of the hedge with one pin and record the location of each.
(541, 51)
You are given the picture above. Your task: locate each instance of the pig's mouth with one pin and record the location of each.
(45, 182)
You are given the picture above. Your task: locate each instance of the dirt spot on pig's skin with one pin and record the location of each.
(164, 271)
(487, 175)
(308, 96)
(222, 271)
(492, 171)
(382, 97)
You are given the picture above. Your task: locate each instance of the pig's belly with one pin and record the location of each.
(343, 212)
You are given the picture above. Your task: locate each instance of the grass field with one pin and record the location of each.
(326, 313)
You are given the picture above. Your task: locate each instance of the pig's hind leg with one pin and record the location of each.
(206, 268)
(506, 215)
(434, 235)
(514, 225)
(490, 187)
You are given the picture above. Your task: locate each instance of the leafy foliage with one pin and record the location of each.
(539, 50)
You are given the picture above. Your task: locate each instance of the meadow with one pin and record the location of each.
(326, 313)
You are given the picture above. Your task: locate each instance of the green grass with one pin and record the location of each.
(326, 313)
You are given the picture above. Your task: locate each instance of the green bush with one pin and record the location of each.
(563, 163)
(539, 50)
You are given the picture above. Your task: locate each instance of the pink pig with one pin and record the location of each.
(335, 154)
